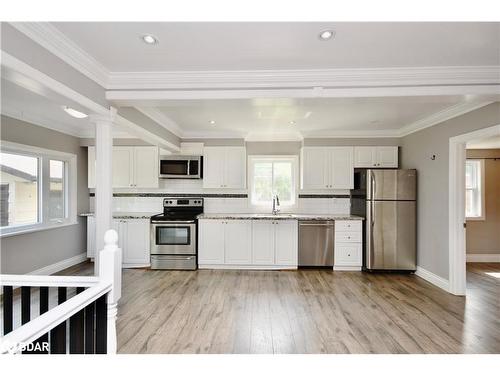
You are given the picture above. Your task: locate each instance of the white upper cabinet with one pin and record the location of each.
(123, 167)
(314, 168)
(132, 167)
(376, 157)
(341, 167)
(146, 166)
(224, 167)
(327, 168)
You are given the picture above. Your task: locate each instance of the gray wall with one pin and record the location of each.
(28, 252)
(273, 148)
(416, 152)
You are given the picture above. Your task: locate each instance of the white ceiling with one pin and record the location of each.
(312, 116)
(256, 46)
(46, 111)
(491, 142)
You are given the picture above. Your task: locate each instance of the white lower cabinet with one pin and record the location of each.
(286, 242)
(255, 244)
(136, 243)
(133, 239)
(238, 242)
(348, 245)
(262, 242)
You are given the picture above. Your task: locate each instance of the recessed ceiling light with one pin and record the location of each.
(326, 35)
(292, 122)
(149, 39)
(212, 122)
(73, 112)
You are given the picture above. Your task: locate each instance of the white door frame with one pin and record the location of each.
(457, 257)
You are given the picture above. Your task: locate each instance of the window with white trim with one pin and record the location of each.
(273, 175)
(474, 189)
(36, 191)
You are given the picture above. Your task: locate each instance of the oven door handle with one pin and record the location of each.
(173, 222)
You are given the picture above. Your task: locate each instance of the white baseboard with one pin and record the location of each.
(56, 267)
(483, 258)
(433, 278)
(59, 266)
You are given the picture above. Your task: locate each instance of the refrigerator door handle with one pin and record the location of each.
(373, 186)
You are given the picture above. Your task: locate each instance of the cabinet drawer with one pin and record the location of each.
(348, 225)
(347, 236)
(347, 254)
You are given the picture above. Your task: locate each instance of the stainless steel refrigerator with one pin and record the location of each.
(387, 199)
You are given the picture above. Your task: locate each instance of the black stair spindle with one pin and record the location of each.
(101, 326)
(58, 334)
(42, 343)
(25, 304)
(76, 330)
(25, 307)
(89, 329)
(7, 310)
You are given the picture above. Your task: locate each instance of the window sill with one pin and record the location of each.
(479, 218)
(39, 228)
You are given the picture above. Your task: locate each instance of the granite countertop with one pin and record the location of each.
(126, 215)
(280, 217)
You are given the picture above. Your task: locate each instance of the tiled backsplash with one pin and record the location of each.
(230, 205)
(323, 205)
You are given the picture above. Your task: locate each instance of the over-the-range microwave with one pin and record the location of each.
(181, 166)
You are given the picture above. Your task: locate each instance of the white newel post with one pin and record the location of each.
(110, 270)
(104, 177)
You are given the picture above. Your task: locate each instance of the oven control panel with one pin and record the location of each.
(183, 202)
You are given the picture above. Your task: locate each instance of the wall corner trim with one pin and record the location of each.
(433, 278)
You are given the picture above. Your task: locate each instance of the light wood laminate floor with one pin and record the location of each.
(305, 311)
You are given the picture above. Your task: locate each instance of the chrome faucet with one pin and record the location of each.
(276, 204)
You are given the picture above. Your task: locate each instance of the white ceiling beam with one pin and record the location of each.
(359, 77)
(156, 97)
(50, 38)
(159, 117)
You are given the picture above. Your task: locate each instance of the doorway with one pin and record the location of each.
(457, 204)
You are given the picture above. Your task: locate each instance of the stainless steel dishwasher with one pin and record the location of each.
(316, 243)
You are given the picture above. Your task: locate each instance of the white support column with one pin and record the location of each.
(110, 270)
(104, 176)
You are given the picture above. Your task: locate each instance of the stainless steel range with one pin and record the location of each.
(174, 234)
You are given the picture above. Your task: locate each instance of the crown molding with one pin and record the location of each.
(159, 117)
(53, 40)
(63, 47)
(441, 116)
(361, 77)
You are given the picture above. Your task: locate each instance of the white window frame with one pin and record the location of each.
(264, 207)
(481, 189)
(70, 187)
